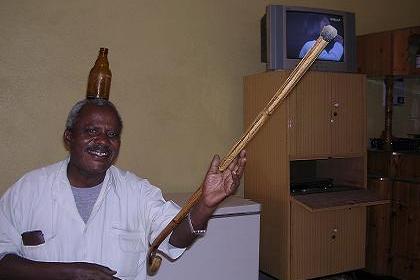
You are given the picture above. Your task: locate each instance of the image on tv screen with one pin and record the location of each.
(302, 30)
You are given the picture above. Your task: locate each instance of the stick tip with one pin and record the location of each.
(154, 264)
(328, 33)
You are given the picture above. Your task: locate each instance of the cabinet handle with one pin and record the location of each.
(290, 123)
(336, 105)
(335, 114)
(334, 233)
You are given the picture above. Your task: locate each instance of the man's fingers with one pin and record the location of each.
(242, 163)
(232, 165)
(214, 165)
(239, 167)
(106, 270)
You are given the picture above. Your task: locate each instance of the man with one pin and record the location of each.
(84, 218)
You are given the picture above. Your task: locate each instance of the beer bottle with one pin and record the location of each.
(99, 81)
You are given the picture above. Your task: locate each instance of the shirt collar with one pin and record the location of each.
(61, 185)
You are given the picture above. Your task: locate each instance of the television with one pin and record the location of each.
(288, 32)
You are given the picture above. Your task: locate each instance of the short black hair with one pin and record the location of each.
(77, 108)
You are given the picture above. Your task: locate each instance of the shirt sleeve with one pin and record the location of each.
(159, 214)
(10, 239)
(166, 247)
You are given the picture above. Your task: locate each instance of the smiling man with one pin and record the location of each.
(84, 218)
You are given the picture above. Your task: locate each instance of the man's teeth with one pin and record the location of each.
(99, 154)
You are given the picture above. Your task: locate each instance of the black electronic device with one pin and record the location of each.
(288, 32)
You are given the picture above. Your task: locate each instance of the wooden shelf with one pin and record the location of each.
(388, 53)
(339, 200)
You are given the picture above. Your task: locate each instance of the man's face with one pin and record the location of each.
(94, 141)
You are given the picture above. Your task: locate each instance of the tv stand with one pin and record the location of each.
(320, 131)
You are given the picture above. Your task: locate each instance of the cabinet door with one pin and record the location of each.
(348, 114)
(379, 229)
(309, 117)
(326, 242)
(406, 231)
(374, 54)
(400, 54)
(404, 62)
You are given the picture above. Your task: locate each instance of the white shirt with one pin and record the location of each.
(128, 214)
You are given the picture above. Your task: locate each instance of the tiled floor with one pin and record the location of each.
(357, 275)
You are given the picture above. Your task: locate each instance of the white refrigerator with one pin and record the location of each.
(229, 250)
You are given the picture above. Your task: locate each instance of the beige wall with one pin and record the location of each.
(177, 76)
(371, 15)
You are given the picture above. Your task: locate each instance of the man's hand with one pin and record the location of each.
(339, 39)
(85, 271)
(216, 187)
(219, 185)
(15, 267)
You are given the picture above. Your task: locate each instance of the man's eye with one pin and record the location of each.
(91, 131)
(112, 134)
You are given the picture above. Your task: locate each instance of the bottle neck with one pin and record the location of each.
(103, 52)
(102, 57)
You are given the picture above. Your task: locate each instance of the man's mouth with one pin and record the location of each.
(100, 152)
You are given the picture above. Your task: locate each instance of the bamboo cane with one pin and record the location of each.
(327, 34)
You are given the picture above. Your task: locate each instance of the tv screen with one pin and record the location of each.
(302, 30)
(288, 32)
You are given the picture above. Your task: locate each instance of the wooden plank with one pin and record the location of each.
(374, 54)
(378, 243)
(339, 200)
(267, 172)
(348, 114)
(399, 52)
(344, 171)
(309, 117)
(414, 222)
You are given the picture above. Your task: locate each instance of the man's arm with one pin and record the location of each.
(216, 188)
(15, 267)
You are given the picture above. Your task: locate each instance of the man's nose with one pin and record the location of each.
(102, 138)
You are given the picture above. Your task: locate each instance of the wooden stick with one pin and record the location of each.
(294, 77)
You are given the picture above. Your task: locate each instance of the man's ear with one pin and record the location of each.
(67, 137)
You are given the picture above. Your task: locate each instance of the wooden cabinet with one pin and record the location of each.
(331, 241)
(389, 53)
(405, 230)
(393, 243)
(296, 231)
(326, 116)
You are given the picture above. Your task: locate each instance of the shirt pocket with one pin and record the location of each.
(130, 252)
(46, 251)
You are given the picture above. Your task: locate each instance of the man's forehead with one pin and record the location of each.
(92, 112)
(91, 109)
